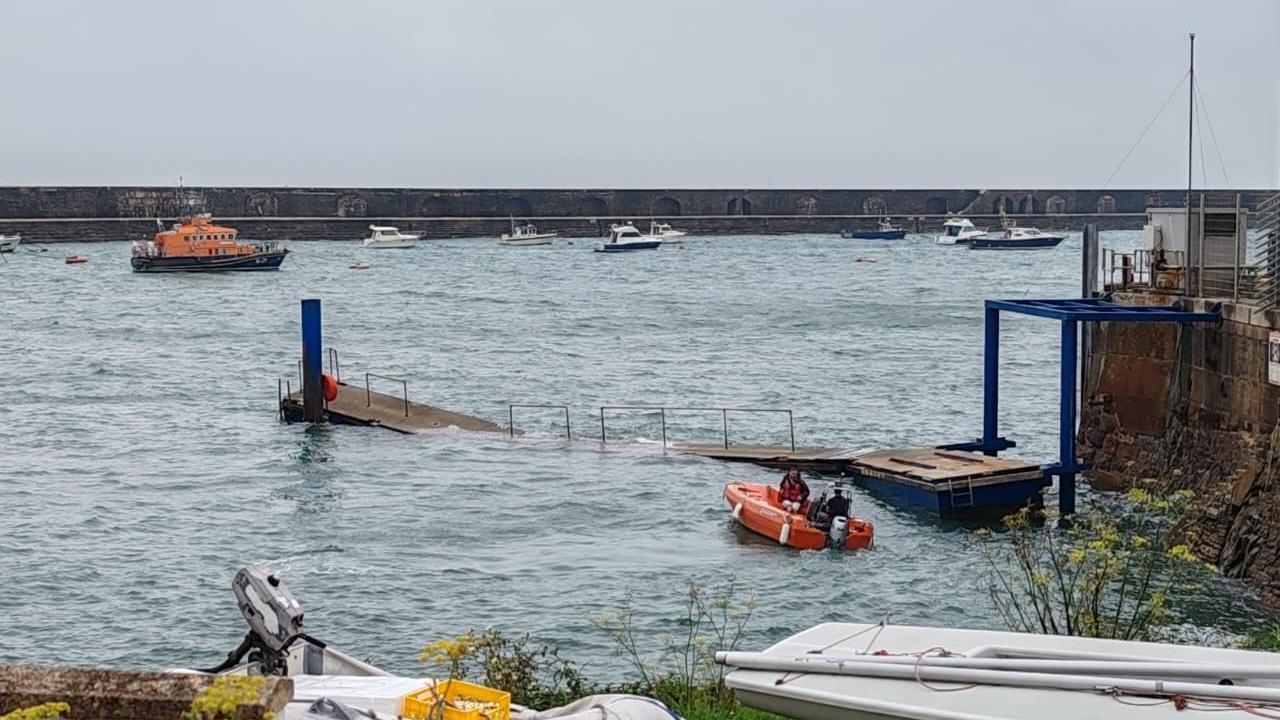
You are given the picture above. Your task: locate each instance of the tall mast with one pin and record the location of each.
(1191, 109)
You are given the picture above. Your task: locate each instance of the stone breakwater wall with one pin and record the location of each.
(52, 214)
(1190, 407)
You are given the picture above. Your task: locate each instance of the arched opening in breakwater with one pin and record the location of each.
(437, 207)
(593, 206)
(738, 206)
(516, 206)
(666, 206)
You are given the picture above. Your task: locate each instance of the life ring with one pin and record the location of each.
(330, 387)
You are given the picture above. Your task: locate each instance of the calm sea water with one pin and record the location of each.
(143, 462)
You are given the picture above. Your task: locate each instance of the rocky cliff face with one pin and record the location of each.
(1192, 408)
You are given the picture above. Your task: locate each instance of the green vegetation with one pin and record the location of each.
(680, 670)
(224, 695)
(1266, 639)
(535, 675)
(46, 711)
(1108, 572)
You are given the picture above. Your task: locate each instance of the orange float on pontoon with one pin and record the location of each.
(759, 509)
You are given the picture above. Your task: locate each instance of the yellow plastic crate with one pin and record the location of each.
(461, 700)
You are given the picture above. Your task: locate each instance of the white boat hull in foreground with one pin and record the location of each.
(9, 243)
(1005, 676)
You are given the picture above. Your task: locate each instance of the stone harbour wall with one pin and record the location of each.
(1191, 407)
(52, 214)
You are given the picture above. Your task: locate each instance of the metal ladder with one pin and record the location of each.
(961, 497)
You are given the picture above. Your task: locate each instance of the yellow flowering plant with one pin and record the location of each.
(44, 711)
(1108, 571)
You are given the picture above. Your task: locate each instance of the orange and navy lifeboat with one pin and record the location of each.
(197, 244)
(758, 508)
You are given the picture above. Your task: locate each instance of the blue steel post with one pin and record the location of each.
(990, 380)
(1067, 421)
(312, 363)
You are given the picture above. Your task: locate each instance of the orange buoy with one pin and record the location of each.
(330, 387)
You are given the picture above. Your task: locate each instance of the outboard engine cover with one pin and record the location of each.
(274, 616)
(839, 532)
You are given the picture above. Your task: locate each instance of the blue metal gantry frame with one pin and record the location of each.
(1070, 313)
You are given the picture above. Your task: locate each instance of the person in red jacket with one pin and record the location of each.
(793, 491)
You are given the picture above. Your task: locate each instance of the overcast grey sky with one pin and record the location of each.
(632, 93)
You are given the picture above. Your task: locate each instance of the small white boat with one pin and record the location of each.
(624, 238)
(890, 672)
(666, 233)
(9, 243)
(387, 237)
(958, 231)
(526, 235)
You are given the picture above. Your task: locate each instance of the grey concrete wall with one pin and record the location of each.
(330, 213)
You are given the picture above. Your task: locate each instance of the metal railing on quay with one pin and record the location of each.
(511, 416)
(1144, 269)
(368, 393)
(334, 368)
(662, 410)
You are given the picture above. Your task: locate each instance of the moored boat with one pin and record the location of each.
(196, 244)
(624, 238)
(666, 233)
(885, 230)
(760, 510)
(9, 243)
(958, 231)
(895, 672)
(526, 235)
(385, 237)
(1015, 238)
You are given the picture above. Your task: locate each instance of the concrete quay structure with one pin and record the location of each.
(1191, 407)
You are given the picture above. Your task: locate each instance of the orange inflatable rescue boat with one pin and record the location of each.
(759, 509)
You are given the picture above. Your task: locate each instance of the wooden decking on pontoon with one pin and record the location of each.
(355, 406)
(931, 478)
(821, 459)
(935, 466)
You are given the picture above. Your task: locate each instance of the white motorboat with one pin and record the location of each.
(666, 233)
(887, 672)
(526, 235)
(9, 243)
(1015, 238)
(387, 237)
(958, 231)
(624, 238)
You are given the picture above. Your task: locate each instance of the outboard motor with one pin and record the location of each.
(838, 535)
(274, 618)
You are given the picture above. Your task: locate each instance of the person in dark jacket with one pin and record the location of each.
(837, 506)
(793, 491)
